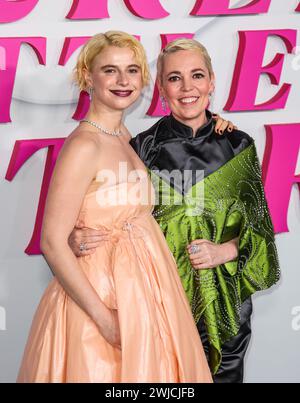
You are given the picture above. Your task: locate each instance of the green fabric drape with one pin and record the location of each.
(234, 205)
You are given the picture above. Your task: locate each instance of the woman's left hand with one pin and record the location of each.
(208, 255)
(222, 125)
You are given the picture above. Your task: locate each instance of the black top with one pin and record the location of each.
(170, 145)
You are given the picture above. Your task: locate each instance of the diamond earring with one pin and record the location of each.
(91, 90)
(164, 104)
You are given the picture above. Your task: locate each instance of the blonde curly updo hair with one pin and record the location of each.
(100, 42)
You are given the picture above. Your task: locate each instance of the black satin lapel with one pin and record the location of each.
(196, 159)
(169, 146)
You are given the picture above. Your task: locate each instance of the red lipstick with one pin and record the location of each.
(120, 93)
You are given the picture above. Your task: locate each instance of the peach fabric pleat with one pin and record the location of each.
(135, 273)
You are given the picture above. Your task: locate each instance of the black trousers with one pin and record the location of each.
(233, 352)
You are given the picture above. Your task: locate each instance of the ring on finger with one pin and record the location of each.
(82, 246)
(194, 249)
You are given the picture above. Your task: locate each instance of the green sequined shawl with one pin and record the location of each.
(234, 206)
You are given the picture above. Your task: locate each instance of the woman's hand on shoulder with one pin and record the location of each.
(222, 125)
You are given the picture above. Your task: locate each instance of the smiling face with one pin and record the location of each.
(186, 83)
(116, 78)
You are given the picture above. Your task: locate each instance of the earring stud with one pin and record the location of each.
(91, 90)
(164, 104)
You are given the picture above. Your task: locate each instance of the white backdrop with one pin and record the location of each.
(43, 104)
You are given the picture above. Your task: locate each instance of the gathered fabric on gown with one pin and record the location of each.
(135, 273)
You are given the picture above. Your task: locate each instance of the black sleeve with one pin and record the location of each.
(142, 145)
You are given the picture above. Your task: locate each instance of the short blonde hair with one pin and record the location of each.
(183, 44)
(100, 42)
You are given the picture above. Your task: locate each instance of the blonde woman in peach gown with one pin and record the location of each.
(120, 314)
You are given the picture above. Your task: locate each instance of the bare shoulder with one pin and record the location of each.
(82, 142)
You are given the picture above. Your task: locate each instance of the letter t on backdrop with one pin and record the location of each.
(11, 47)
(23, 150)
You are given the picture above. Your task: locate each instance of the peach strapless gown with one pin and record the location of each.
(136, 274)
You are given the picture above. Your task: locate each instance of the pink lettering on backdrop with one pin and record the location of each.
(298, 8)
(23, 150)
(248, 70)
(70, 46)
(94, 9)
(82, 106)
(156, 108)
(8, 74)
(15, 10)
(279, 166)
(88, 10)
(221, 7)
(150, 9)
(2, 58)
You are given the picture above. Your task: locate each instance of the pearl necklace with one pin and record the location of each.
(102, 129)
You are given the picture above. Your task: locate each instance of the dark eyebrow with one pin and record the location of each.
(193, 71)
(200, 69)
(174, 72)
(135, 65)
